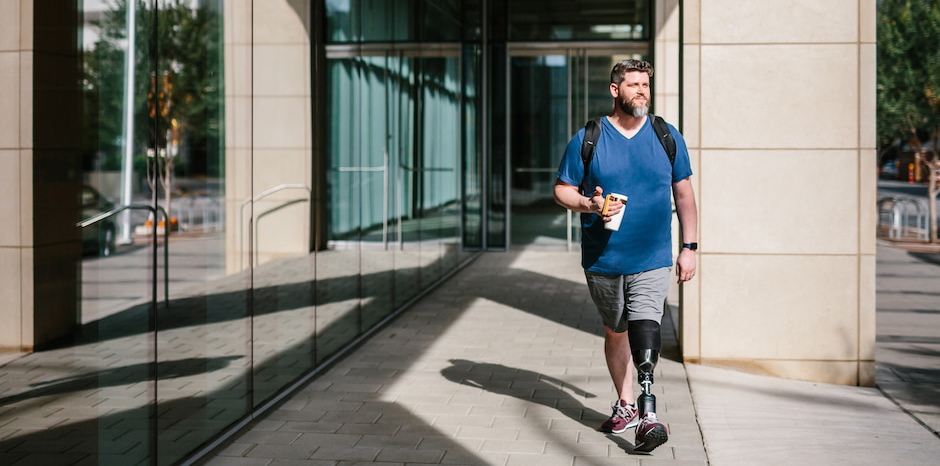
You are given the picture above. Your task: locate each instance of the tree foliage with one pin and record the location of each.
(909, 83)
(178, 83)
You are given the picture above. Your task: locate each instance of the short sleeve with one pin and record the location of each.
(571, 169)
(682, 166)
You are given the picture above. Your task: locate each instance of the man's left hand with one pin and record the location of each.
(685, 265)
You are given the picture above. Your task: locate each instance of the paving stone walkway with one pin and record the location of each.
(503, 365)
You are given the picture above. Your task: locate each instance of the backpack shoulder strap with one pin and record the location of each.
(592, 132)
(665, 137)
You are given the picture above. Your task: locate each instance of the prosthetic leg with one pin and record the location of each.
(645, 344)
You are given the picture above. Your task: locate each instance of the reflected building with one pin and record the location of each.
(210, 200)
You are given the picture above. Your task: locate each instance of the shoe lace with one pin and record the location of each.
(621, 411)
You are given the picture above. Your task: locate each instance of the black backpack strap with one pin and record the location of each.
(592, 132)
(665, 138)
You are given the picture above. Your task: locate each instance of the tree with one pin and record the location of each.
(178, 94)
(909, 85)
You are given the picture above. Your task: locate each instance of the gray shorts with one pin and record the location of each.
(623, 298)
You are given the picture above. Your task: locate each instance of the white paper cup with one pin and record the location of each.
(614, 223)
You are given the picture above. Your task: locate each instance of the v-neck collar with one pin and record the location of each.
(617, 131)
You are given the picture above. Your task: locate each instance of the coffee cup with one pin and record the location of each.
(614, 223)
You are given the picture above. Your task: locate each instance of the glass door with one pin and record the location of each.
(538, 132)
(552, 93)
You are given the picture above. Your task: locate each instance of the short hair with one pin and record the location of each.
(625, 66)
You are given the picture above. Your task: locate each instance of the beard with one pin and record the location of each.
(636, 111)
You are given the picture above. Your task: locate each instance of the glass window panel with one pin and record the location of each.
(441, 20)
(496, 208)
(375, 214)
(370, 20)
(351, 21)
(278, 209)
(339, 21)
(540, 99)
(440, 146)
(203, 333)
(472, 168)
(403, 135)
(567, 20)
(338, 287)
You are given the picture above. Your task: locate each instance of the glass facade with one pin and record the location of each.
(264, 182)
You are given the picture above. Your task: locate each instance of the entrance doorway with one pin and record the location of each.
(553, 91)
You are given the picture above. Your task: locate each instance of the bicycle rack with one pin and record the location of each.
(904, 217)
(211, 216)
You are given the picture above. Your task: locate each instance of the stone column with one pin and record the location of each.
(269, 130)
(779, 112)
(40, 166)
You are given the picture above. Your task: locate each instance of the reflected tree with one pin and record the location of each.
(178, 96)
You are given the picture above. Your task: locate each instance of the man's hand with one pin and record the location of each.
(597, 204)
(570, 198)
(685, 265)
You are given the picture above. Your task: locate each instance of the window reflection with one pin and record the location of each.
(583, 20)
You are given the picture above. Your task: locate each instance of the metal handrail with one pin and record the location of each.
(256, 198)
(166, 241)
(385, 207)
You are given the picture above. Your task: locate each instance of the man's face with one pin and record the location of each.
(633, 93)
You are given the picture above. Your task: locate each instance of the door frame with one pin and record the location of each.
(574, 51)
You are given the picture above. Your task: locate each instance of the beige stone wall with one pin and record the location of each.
(40, 172)
(268, 130)
(779, 113)
(15, 234)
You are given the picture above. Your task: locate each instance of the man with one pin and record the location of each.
(628, 270)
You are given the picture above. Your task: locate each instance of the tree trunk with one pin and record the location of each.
(933, 188)
(932, 206)
(933, 185)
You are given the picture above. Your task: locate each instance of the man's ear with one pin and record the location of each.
(614, 90)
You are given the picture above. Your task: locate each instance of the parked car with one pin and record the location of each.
(99, 238)
(889, 171)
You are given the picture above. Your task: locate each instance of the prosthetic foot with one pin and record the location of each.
(646, 342)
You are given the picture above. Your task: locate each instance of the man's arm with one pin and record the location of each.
(688, 223)
(569, 197)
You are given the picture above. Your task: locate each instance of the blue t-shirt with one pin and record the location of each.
(639, 169)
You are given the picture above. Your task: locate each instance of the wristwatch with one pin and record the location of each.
(692, 246)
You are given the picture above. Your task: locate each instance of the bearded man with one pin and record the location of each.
(628, 269)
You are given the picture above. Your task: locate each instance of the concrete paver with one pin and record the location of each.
(503, 365)
(747, 419)
(908, 355)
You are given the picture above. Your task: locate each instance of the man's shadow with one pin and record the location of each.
(540, 388)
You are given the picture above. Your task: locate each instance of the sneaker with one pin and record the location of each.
(623, 418)
(650, 433)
